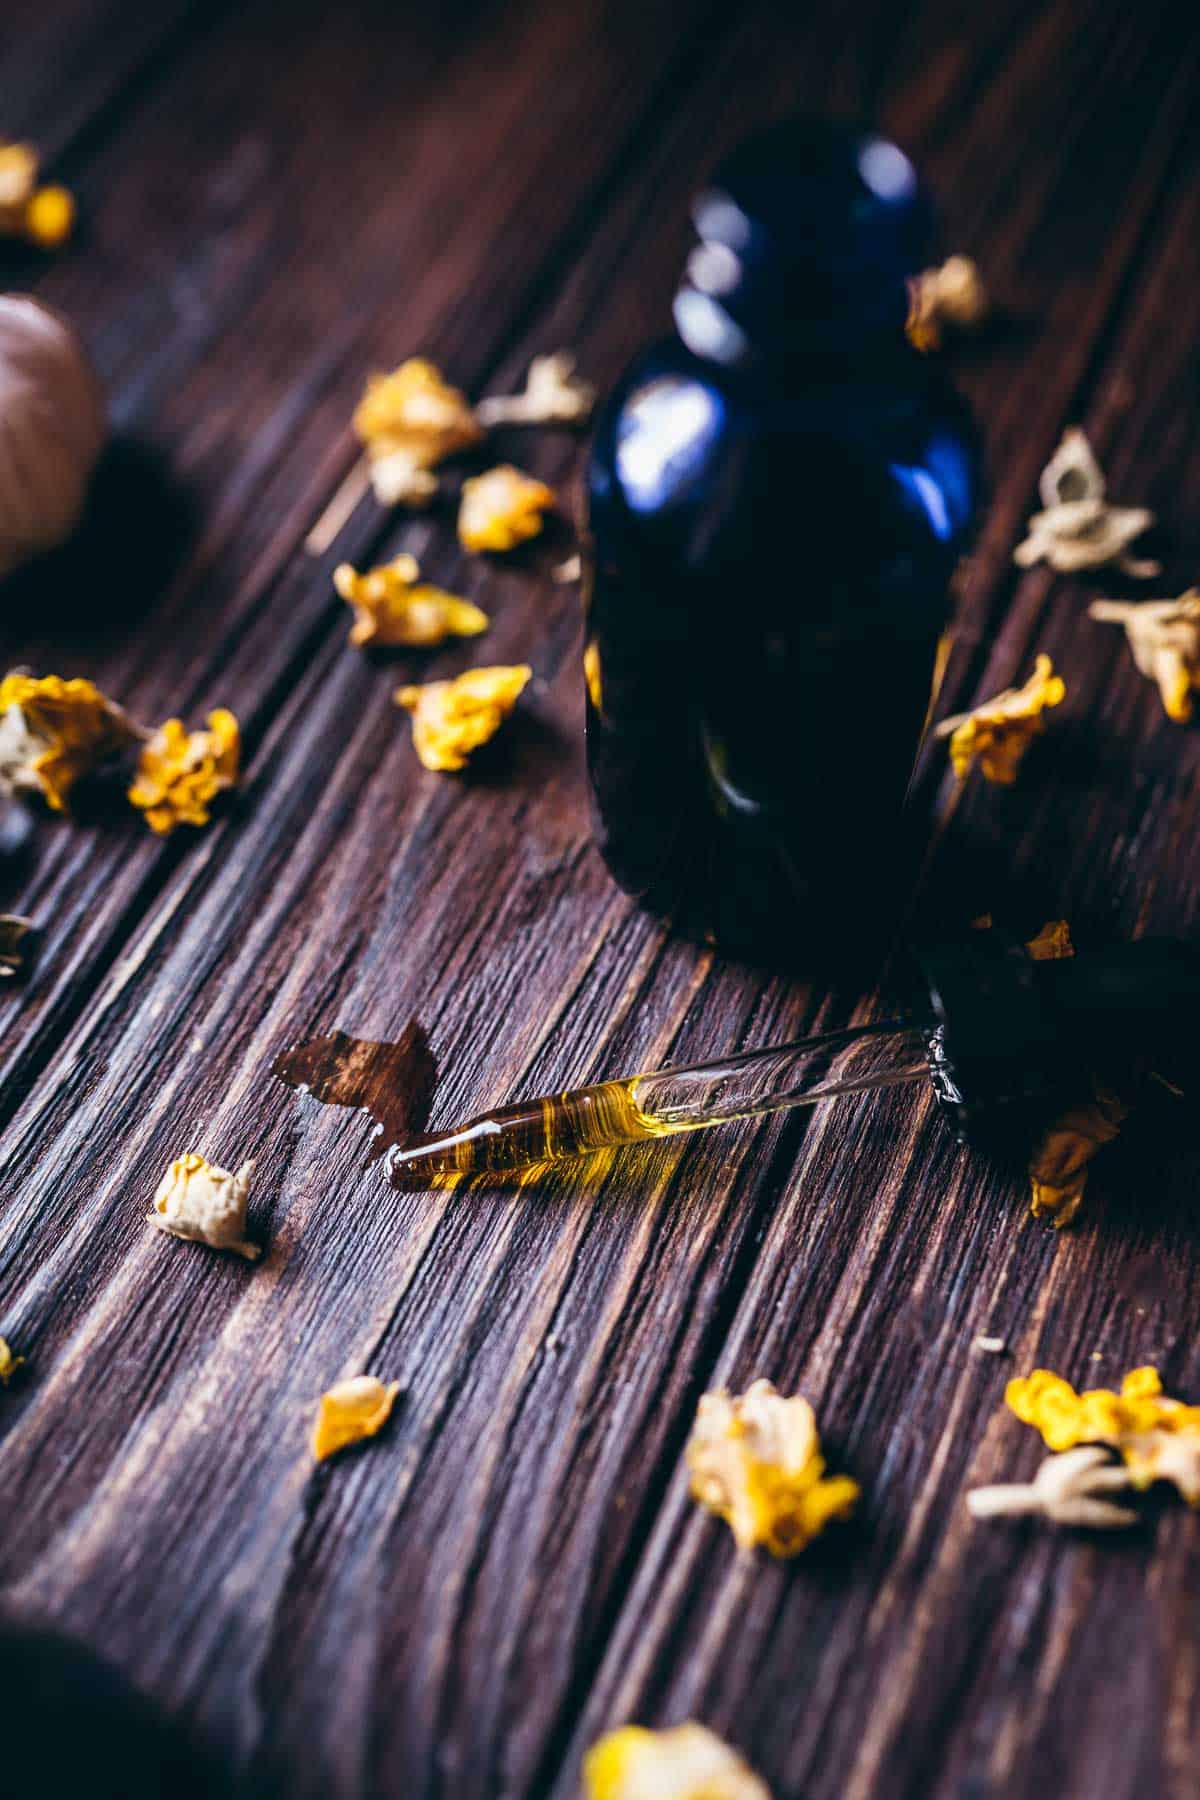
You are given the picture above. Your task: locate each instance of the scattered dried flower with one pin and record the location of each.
(502, 509)
(1164, 636)
(9, 1364)
(1059, 1170)
(570, 570)
(351, 1411)
(1157, 1438)
(687, 1762)
(756, 1462)
(553, 396)
(997, 733)
(1066, 1490)
(952, 295)
(180, 772)
(205, 1205)
(1078, 528)
(592, 675)
(410, 421)
(1052, 943)
(392, 606)
(991, 1346)
(453, 718)
(16, 941)
(43, 215)
(52, 732)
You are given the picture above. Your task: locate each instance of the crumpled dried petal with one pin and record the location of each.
(756, 1462)
(593, 675)
(1164, 636)
(952, 295)
(410, 421)
(1067, 1490)
(453, 718)
(392, 606)
(1058, 1171)
(9, 1364)
(997, 733)
(180, 771)
(1052, 943)
(17, 936)
(553, 396)
(351, 1411)
(1157, 1438)
(43, 215)
(1079, 529)
(52, 732)
(687, 1762)
(205, 1205)
(502, 509)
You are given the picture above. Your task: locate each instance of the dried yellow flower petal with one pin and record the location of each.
(592, 674)
(410, 421)
(553, 396)
(997, 733)
(952, 295)
(453, 718)
(50, 217)
(687, 1762)
(1157, 1438)
(1059, 1170)
(1078, 528)
(351, 1411)
(1164, 636)
(392, 606)
(1052, 943)
(180, 772)
(15, 932)
(205, 1205)
(756, 1462)
(43, 215)
(9, 1364)
(52, 732)
(502, 509)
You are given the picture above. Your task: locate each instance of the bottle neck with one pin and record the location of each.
(741, 334)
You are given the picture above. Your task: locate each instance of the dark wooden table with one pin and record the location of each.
(274, 200)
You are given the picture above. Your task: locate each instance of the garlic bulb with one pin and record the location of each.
(52, 429)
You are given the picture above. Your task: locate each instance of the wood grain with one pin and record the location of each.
(515, 1566)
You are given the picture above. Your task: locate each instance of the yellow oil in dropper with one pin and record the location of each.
(661, 1103)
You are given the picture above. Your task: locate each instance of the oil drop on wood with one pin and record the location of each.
(392, 1084)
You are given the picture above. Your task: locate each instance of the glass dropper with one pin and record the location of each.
(662, 1102)
(1006, 1042)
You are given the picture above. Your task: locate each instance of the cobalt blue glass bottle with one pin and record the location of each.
(778, 496)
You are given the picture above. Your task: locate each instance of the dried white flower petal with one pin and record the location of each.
(399, 479)
(205, 1205)
(1079, 529)
(570, 570)
(1064, 1490)
(1164, 636)
(1072, 474)
(553, 396)
(991, 1346)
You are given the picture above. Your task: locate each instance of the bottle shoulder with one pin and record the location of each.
(679, 438)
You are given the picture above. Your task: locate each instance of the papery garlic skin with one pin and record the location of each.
(52, 429)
